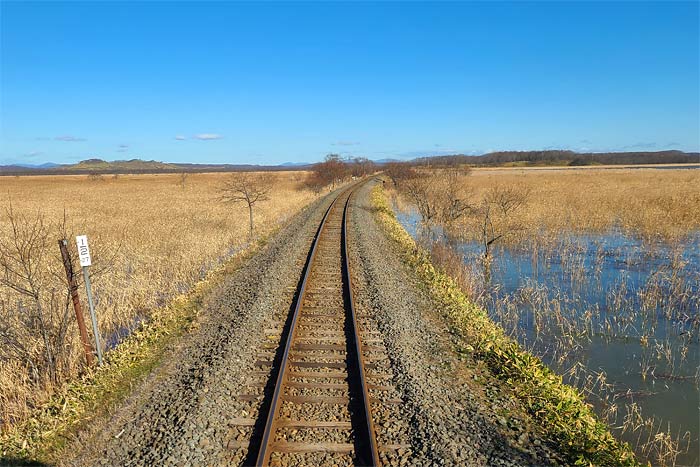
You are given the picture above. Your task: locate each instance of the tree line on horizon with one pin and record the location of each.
(563, 157)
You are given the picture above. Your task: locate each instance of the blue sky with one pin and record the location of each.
(275, 82)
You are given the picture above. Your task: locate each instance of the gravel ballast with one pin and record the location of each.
(456, 413)
(179, 417)
(439, 408)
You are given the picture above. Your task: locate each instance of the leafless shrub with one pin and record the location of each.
(315, 182)
(34, 328)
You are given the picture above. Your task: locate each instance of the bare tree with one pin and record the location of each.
(453, 195)
(361, 166)
(419, 191)
(440, 197)
(332, 170)
(248, 188)
(400, 171)
(497, 211)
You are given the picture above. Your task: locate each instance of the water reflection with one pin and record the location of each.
(606, 304)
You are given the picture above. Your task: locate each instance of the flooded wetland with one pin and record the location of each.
(606, 296)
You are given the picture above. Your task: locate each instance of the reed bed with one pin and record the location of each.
(152, 237)
(650, 203)
(574, 234)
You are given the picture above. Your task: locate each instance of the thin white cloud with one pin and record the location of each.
(346, 143)
(33, 154)
(69, 138)
(208, 136)
(180, 138)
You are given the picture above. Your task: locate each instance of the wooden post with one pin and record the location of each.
(68, 265)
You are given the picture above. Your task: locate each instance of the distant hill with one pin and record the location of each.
(570, 158)
(46, 165)
(92, 165)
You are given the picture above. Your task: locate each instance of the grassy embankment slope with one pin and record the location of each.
(560, 409)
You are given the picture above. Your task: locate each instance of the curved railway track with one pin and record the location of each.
(316, 403)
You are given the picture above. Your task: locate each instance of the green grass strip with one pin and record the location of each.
(558, 408)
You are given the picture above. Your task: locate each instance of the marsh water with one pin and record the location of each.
(603, 304)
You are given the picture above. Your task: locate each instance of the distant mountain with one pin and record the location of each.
(15, 169)
(45, 165)
(385, 161)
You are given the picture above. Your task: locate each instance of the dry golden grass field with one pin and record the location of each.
(650, 203)
(647, 202)
(152, 236)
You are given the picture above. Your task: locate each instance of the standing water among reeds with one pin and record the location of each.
(614, 310)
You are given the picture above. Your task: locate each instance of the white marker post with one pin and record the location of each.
(85, 261)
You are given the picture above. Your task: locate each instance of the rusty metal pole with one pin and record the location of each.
(68, 265)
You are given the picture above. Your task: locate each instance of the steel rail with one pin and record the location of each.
(264, 453)
(368, 424)
(367, 452)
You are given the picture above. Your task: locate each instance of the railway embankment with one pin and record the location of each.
(453, 391)
(560, 412)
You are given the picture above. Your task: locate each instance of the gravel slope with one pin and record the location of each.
(179, 416)
(450, 411)
(450, 405)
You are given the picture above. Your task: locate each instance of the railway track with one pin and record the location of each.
(319, 379)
